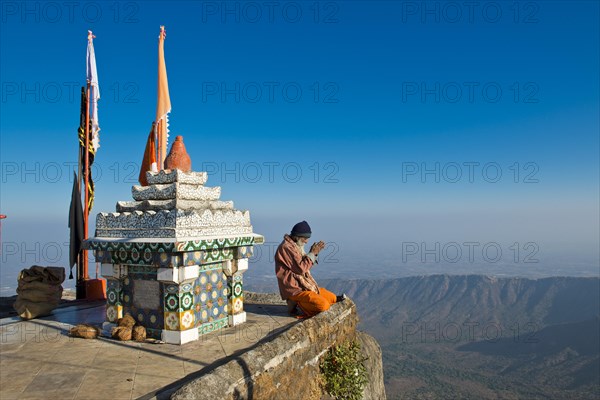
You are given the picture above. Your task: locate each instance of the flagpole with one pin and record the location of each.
(87, 174)
(86, 210)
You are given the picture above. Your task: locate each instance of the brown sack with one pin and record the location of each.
(31, 309)
(45, 293)
(49, 275)
(35, 285)
(39, 291)
(139, 333)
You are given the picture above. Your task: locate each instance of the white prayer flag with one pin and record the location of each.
(92, 78)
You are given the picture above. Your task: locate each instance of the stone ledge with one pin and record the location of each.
(263, 298)
(159, 205)
(176, 190)
(176, 175)
(172, 219)
(286, 367)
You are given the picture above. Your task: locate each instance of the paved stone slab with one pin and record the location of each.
(38, 360)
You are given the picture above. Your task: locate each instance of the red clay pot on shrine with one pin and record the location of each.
(178, 157)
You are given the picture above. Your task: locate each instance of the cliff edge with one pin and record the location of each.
(287, 365)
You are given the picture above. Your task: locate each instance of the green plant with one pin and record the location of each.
(343, 371)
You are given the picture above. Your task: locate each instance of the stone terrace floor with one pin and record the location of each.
(38, 360)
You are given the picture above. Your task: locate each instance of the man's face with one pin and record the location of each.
(302, 241)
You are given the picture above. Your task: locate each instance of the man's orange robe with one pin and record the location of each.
(295, 281)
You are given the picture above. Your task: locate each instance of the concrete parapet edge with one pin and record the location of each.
(286, 367)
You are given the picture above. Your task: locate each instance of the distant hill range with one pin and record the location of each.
(470, 301)
(482, 337)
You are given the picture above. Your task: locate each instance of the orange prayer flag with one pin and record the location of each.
(149, 160)
(163, 106)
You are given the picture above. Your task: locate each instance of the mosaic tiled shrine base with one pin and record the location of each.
(203, 303)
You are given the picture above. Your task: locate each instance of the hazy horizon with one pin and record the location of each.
(346, 256)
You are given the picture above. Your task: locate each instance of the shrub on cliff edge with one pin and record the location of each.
(343, 370)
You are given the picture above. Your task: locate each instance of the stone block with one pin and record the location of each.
(167, 275)
(180, 337)
(228, 267)
(242, 265)
(237, 319)
(188, 272)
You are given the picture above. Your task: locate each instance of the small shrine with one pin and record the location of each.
(174, 257)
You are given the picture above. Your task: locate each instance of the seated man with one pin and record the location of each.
(292, 267)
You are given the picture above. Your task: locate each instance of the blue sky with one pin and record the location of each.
(325, 111)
